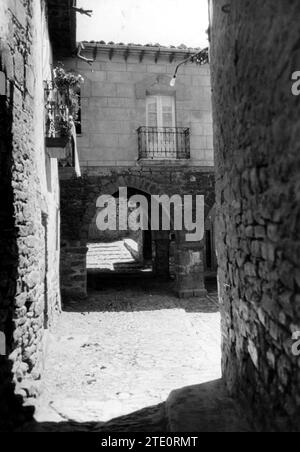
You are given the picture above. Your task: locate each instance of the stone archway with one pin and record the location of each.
(189, 260)
(149, 188)
(139, 183)
(125, 249)
(74, 251)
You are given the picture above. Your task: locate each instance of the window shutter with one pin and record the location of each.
(152, 117)
(161, 111)
(168, 111)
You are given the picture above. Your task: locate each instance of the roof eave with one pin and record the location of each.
(140, 51)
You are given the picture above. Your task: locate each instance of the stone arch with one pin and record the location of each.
(136, 182)
(188, 256)
(160, 239)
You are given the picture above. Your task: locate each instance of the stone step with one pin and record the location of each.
(120, 265)
(112, 256)
(109, 258)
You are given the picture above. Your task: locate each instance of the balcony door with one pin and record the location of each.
(161, 126)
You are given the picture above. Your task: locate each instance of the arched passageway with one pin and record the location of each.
(163, 252)
(123, 253)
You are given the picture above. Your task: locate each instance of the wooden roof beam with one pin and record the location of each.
(172, 57)
(126, 54)
(111, 53)
(141, 57)
(157, 55)
(95, 51)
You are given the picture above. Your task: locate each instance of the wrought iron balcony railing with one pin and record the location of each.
(164, 143)
(57, 111)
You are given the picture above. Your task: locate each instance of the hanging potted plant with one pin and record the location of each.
(62, 107)
(60, 140)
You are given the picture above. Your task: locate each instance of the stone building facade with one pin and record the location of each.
(139, 132)
(254, 52)
(29, 212)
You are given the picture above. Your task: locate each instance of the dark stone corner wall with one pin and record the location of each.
(254, 51)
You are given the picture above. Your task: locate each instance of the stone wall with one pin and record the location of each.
(114, 103)
(255, 50)
(73, 270)
(29, 258)
(79, 196)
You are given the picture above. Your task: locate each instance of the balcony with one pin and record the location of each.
(59, 126)
(164, 143)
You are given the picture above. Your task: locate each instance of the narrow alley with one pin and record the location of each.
(150, 217)
(126, 349)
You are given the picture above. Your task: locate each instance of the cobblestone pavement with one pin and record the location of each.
(124, 350)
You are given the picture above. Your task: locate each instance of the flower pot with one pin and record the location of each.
(60, 142)
(56, 147)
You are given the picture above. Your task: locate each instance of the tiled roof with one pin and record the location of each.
(182, 47)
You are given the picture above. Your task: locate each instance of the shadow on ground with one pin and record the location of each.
(152, 419)
(127, 293)
(201, 408)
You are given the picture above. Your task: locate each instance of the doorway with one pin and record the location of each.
(121, 256)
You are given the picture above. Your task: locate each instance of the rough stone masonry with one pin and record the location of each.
(254, 52)
(78, 200)
(27, 209)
